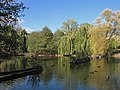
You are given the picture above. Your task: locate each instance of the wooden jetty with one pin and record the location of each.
(4, 76)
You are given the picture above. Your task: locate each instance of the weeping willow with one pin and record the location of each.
(82, 44)
(114, 44)
(75, 42)
(64, 46)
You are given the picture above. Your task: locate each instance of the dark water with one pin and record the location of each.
(59, 75)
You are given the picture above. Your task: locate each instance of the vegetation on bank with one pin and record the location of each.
(12, 39)
(71, 38)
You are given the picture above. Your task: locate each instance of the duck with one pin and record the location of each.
(95, 71)
(63, 64)
(108, 77)
(98, 66)
(113, 68)
(91, 72)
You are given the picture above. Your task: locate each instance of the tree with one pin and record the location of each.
(108, 28)
(64, 47)
(45, 35)
(38, 41)
(10, 11)
(22, 40)
(98, 41)
(9, 40)
(33, 41)
(70, 27)
(111, 20)
(53, 45)
(82, 41)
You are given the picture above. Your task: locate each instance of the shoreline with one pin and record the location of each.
(116, 55)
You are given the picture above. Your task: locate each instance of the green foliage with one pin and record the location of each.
(69, 26)
(75, 42)
(67, 42)
(13, 41)
(22, 40)
(82, 42)
(54, 43)
(78, 40)
(8, 40)
(46, 36)
(114, 44)
(38, 41)
(10, 13)
(33, 41)
(64, 47)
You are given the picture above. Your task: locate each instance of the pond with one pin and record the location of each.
(58, 74)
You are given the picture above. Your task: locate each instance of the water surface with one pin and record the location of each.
(58, 74)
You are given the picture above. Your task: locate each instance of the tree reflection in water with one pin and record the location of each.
(58, 74)
(34, 80)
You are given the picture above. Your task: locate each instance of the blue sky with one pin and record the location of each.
(53, 12)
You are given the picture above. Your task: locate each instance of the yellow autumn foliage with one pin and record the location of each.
(98, 41)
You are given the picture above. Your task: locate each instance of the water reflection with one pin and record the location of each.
(33, 80)
(58, 74)
(13, 64)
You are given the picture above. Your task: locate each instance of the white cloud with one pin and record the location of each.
(21, 21)
(29, 30)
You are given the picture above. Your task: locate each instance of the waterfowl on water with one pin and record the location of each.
(113, 68)
(95, 71)
(108, 77)
(63, 64)
(91, 72)
(98, 66)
